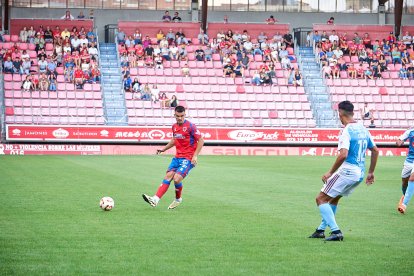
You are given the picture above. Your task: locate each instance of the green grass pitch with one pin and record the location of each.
(240, 216)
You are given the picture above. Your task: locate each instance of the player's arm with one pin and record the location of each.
(200, 145)
(400, 141)
(170, 144)
(374, 158)
(343, 154)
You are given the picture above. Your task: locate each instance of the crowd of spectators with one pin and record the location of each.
(74, 50)
(360, 57)
(236, 52)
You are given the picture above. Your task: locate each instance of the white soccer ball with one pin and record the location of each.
(107, 203)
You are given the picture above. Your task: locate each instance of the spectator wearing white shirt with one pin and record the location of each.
(407, 39)
(248, 46)
(75, 42)
(202, 38)
(333, 37)
(93, 51)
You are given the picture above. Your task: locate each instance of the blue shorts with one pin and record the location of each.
(182, 166)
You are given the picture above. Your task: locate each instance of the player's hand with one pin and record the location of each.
(159, 151)
(326, 176)
(370, 179)
(194, 160)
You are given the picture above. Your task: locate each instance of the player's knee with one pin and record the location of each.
(177, 178)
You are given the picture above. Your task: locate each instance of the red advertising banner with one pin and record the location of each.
(110, 134)
(65, 149)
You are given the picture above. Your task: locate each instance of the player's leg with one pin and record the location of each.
(162, 189)
(405, 176)
(320, 231)
(180, 174)
(408, 194)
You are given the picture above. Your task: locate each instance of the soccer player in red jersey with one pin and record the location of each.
(188, 144)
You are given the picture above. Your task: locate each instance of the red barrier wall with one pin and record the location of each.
(253, 29)
(191, 30)
(17, 24)
(375, 31)
(409, 29)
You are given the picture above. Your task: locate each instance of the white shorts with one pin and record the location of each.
(342, 182)
(407, 170)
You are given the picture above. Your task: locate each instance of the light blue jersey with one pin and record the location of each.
(409, 135)
(356, 139)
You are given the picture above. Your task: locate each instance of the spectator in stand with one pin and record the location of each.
(285, 62)
(291, 77)
(245, 61)
(342, 64)
(27, 84)
(68, 74)
(208, 53)
(42, 63)
(334, 37)
(238, 70)
(160, 36)
(26, 64)
(256, 78)
(334, 69)
(43, 83)
(352, 72)
(330, 21)
(407, 39)
(162, 97)
(93, 51)
(324, 36)
(317, 37)
(51, 67)
(391, 38)
(81, 15)
(327, 71)
(271, 20)
(405, 57)
(403, 73)
(158, 62)
(396, 56)
(67, 16)
(137, 37)
(127, 83)
(17, 66)
(176, 18)
(154, 93)
(149, 61)
(170, 36)
(146, 42)
(356, 39)
(75, 42)
(338, 52)
(182, 53)
(199, 54)
(166, 17)
(298, 78)
(24, 35)
(410, 70)
(288, 39)
(185, 70)
(146, 93)
(174, 101)
(120, 36)
(202, 37)
(35, 81)
(368, 73)
(48, 36)
(228, 69)
(95, 74)
(78, 77)
(31, 34)
(136, 88)
(39, 42)
(366, 40)
(91, 14)
(309, 39)
(52, 83)
(265, 79)
(367, 113)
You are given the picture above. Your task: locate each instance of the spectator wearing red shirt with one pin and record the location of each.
(330, 21)
(391, 38)
(78, 77)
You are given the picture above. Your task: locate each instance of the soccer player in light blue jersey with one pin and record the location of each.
(407, 173)
(347, 172)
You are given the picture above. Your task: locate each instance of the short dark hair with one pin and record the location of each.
(346, 106)
(179, 109)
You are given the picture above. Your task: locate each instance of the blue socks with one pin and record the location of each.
(323, 224)
(409, 192)
(329, 216)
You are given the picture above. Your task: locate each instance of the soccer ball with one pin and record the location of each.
(106, 203)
